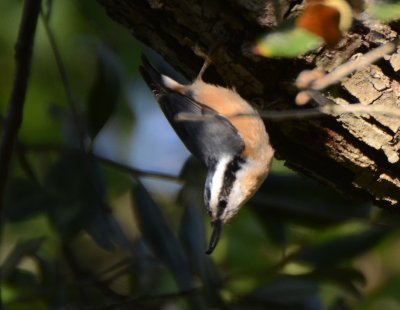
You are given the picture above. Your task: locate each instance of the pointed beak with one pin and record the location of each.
(216, 234)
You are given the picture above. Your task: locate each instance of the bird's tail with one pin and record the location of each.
(152, 77)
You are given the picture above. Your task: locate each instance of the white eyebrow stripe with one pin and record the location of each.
(217, 181)
(237, 195)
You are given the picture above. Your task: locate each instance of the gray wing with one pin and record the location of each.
(207, 140)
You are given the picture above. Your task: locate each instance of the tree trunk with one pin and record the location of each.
(356, 154)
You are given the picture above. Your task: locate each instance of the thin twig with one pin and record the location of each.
(71, 99)
(329, 109)
(123, 263)
(81, 274)
(351, 66)
(138, 172)
(46, 292)
(23, 59)
(123, 167)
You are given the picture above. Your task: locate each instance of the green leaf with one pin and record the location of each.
(117, 181)
(388, 290)
(78, 192)
(106, 230)
(160, 237)
(294, 198)
(285, 293)
(24, 199)
(338, 250)
(276, 230)
(21, 250)
(192, 232)
(22, 283)
(385, 11)
(289, 41)
(106, 90)
(349, 279)
(193, 167)
(71, 186)
(193, 237)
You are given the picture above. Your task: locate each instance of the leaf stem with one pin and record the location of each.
(71, 99)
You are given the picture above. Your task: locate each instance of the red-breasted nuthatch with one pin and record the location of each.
(236, 149)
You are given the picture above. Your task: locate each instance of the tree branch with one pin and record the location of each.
(357, 154)
(23, 57)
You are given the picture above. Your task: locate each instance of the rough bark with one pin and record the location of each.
(356, 154)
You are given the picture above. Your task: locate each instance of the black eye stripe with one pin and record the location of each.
(221, 207)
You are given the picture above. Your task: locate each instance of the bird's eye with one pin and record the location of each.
(221, 207)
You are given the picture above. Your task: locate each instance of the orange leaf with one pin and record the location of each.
(322, 20)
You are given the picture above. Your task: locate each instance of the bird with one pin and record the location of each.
(228, 136)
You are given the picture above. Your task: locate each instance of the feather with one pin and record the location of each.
(207, 140)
